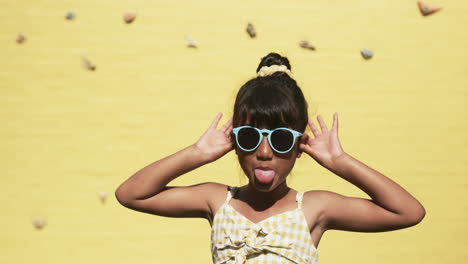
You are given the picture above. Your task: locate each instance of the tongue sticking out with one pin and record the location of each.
(264, 176)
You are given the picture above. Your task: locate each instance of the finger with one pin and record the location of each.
(228, 131)
(304, 138)
(306, 148)
(226, 126)
(216, 121)
(313, 128)
(322, 124)
(228, 147)
(335, 122)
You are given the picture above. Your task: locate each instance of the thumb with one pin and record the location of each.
(303, 141)
(307, 149)
(304, 138)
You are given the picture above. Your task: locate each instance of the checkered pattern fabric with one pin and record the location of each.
(282, 238)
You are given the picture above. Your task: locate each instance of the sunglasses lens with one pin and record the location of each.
(248, 138)
(282, 140)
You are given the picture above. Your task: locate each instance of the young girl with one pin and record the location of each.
(266, 221)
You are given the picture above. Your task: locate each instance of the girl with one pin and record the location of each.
(266, 221)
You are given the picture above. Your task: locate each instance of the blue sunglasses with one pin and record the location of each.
(281, 140)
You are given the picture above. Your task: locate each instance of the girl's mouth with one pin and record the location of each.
(264, 174)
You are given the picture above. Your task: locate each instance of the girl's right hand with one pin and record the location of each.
(215, 143)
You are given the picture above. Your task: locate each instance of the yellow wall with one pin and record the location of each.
(68, 133)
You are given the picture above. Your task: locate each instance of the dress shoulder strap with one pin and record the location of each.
(299, 196)
(231, 193)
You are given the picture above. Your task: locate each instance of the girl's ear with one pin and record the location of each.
(234, 142)
(302, 140)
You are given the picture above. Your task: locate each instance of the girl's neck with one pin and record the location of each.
(259, 200)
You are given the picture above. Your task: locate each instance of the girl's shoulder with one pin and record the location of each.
(320, 199)
(316, 198)
(314, 204)
(217, 191)
(217, 195)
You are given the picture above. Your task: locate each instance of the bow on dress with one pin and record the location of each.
(252, 241)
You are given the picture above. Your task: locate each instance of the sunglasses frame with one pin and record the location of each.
(268, 132)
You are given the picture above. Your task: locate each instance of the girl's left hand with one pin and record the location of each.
(325, 147)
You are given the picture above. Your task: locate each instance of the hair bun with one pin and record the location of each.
(274, 59)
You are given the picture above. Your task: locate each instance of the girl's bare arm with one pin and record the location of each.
(391, 207)
(147, 189)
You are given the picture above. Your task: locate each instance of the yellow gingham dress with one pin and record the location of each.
(281, 238)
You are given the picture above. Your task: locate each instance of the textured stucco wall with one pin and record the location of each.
(68, 133)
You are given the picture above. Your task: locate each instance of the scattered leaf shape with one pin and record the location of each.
(88, 65)
(428, 9)
(39, 222)
(102, 196)
(367, 53)
(306, 45)
(251, 30)
(70, 15)
(191, 43)
(129, 17)
(20, 38)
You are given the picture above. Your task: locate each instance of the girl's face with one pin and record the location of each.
(265, 168)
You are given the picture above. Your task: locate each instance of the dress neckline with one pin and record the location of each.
(263, 220)
(233, 191)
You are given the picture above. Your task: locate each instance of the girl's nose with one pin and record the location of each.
(264, 151)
